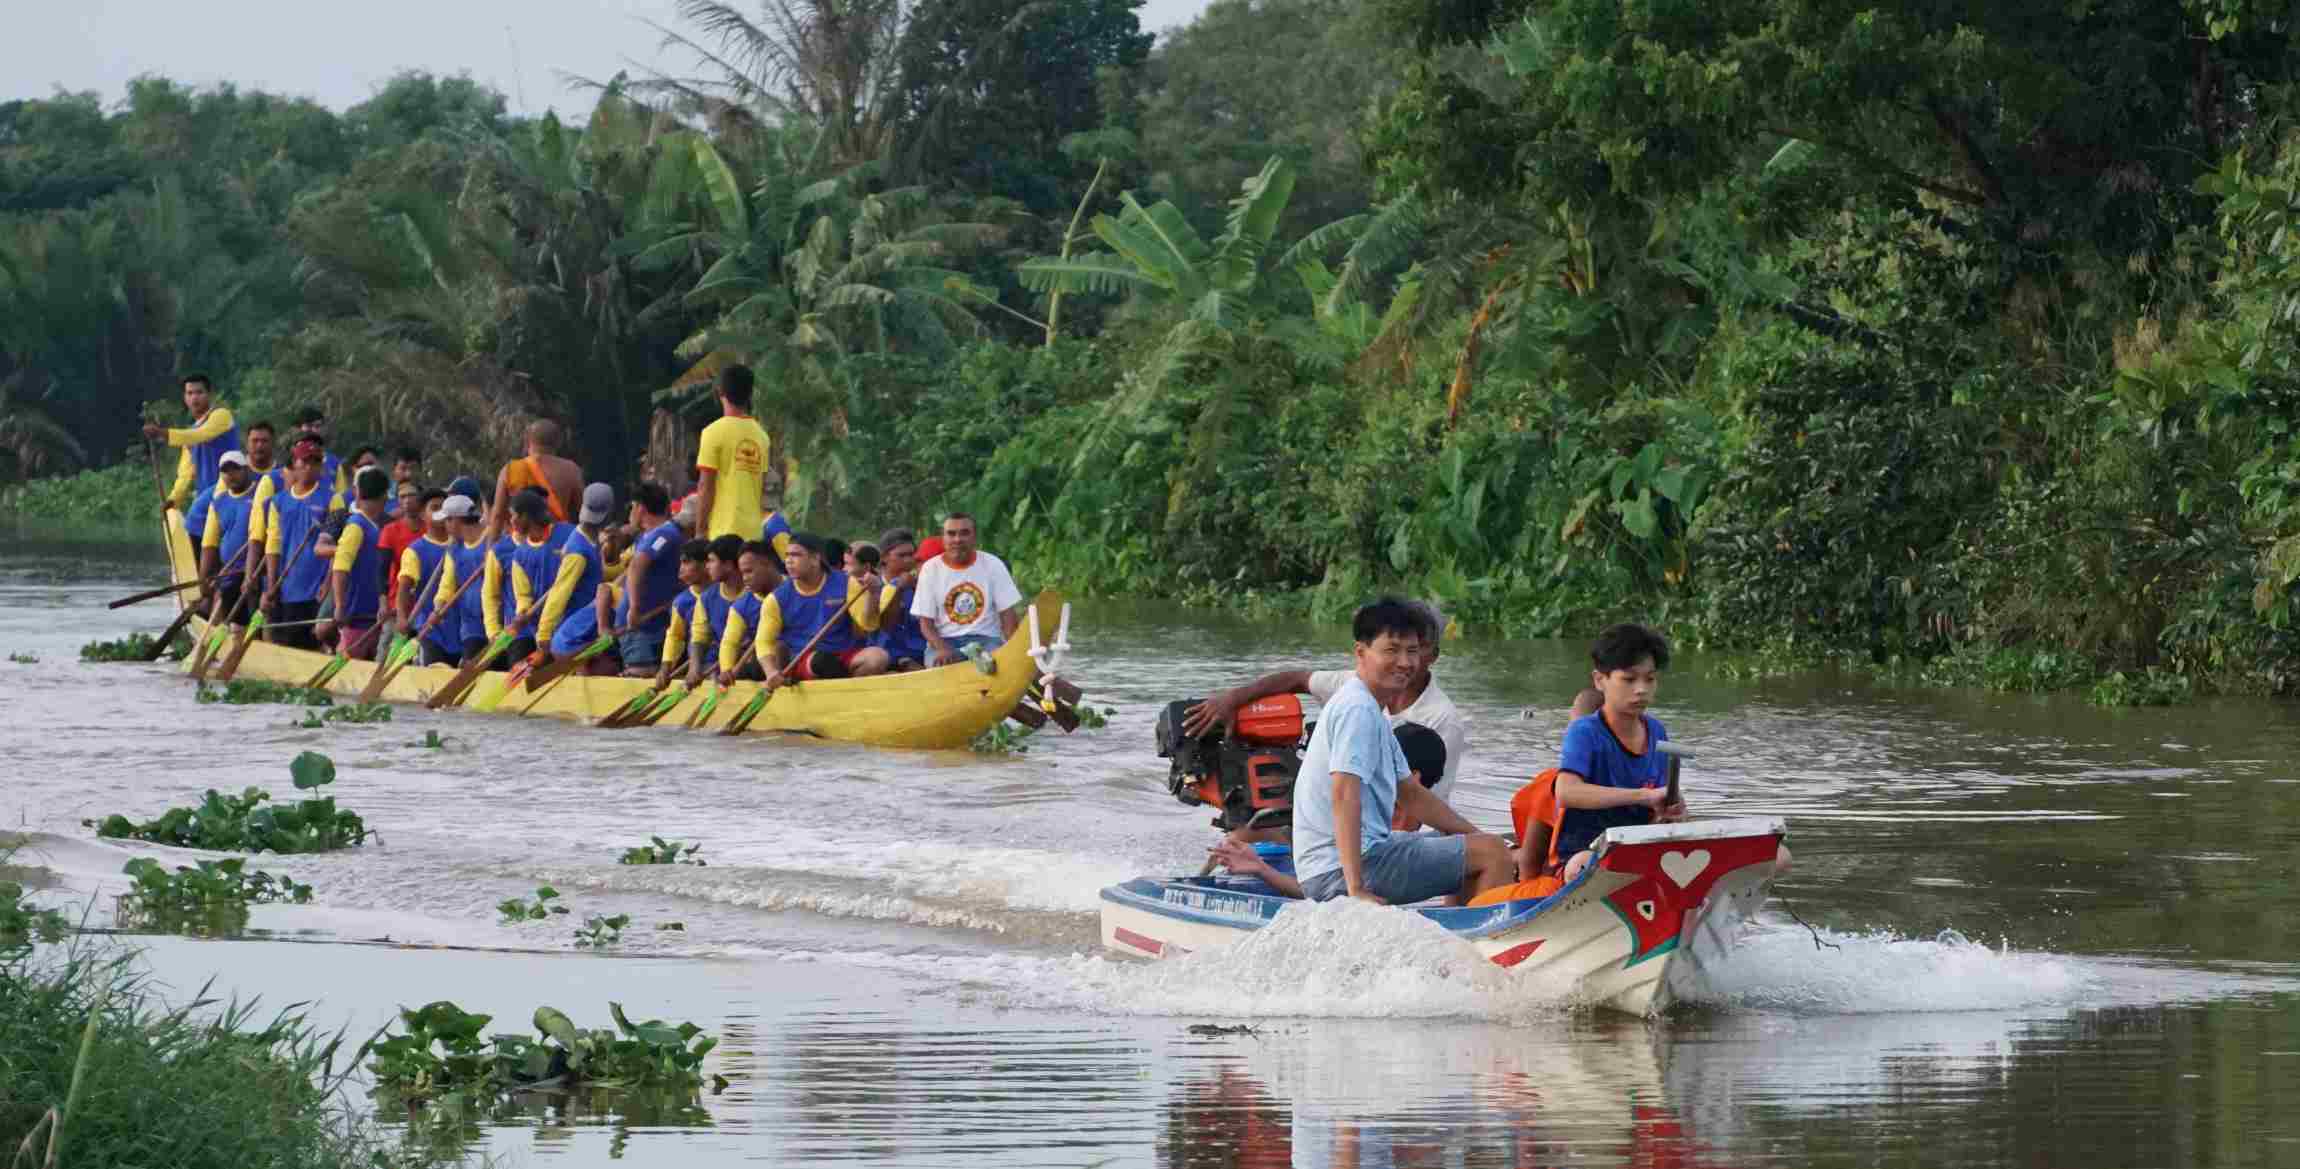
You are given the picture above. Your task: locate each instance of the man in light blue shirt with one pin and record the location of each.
(1349, 788)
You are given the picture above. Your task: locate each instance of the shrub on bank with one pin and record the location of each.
(101, 1068)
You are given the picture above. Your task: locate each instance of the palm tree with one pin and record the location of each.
(806, 273)
(831, 64)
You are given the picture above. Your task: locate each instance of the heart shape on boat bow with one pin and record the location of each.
(1682, 867)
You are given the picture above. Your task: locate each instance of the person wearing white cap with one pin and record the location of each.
(569, 621)
(466, 627)
(231, 522)
(422, 569)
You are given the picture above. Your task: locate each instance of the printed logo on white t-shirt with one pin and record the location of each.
(963, 604)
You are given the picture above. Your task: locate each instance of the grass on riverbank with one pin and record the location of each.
(118, 496)
(95, 1070)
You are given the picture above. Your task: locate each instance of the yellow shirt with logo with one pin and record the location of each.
(736, 449)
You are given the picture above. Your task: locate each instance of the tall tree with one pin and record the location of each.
(991, 88)
(828, 63)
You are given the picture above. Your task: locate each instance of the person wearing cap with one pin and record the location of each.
(203, 443)
(537, 544)
(355, 585)
(311, 422)
(650, 580)
(731, 460)
(289, 516)
(1424, 702)
(569, 621)
(231, 524)
(818, 600)
(415, 587)
(464, 628)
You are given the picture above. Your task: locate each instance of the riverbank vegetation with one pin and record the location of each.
(1955, 344)
(100, 1072)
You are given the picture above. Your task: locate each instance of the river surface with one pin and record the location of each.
(2041, 933)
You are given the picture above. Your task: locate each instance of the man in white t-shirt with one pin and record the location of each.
(965, 597)
(1424, 702)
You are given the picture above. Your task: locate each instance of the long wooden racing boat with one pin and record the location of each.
(1635, 931)
(934, 709)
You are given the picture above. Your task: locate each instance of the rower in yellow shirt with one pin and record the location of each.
(203, 443)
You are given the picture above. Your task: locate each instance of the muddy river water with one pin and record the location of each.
(2041, 933)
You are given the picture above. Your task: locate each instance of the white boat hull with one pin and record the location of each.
(1658, 907)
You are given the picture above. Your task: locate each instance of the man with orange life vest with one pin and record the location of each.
(812, 601)
(356, 583)
(532, 570)
(289, 517)
(965, 598)
(690, 620)
(232, 526)
(203, 443)
(731, 461)
(465, 628)
(569, 620)
(422, 569)
(762, 574)
(557, 481)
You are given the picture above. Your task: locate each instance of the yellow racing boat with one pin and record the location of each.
(933, 709)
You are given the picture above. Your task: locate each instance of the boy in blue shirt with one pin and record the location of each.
(1611, 773)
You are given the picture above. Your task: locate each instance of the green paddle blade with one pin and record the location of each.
(670, 698)
(404, 654)
(710, 704)
(255, 623)
(605, 642)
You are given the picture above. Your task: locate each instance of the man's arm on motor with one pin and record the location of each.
(1223, 707)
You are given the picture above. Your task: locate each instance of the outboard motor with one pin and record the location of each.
(1247, 772)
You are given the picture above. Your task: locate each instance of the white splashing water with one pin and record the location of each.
(1782, 969)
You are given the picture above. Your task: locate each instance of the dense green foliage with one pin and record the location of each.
(249, 822)
(132, 648)
(658, 851)
(1952, 340)
(131, 1081)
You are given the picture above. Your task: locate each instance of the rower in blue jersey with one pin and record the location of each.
(311, 426)
(203, 443)
(230, 532)
(422, 583)
(689, 619)
(818, 606)
(196, 517)
(356, 583)
(777, 532)
(465, 627)
(290, 553)
(570, 619)
(533, 568)
(651, 578)
(762, 574)
(899, 635)
(718, 604)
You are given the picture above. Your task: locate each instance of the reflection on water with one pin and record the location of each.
(2041, 933)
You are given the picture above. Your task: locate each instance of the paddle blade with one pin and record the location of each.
(750, 711)
(710, 703)
(662, 706)
(628, 710)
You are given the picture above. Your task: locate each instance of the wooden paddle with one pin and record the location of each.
(151, 594)
(342, 658)
(407, 652)
(542, 682)
(758, 702)
(468, 676)
(651, 707)
(213, 639)
(719, 689)
(271, 597)
(175, 627)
